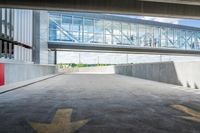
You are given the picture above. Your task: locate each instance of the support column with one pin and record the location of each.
(36, 37)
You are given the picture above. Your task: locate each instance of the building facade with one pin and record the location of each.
(23, 50)
(16, 34)
(24, 36)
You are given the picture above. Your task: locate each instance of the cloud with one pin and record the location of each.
(158, 19)
(161, 19)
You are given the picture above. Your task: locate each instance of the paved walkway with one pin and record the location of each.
(89, 103)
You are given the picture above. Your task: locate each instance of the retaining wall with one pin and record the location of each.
(14, 72)
(98, 69)
(179, 73)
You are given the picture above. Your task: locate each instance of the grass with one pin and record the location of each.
(73, 65)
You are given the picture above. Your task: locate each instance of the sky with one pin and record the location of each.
(114, 58)
(179, 21)
(193, 23)
(187, 22)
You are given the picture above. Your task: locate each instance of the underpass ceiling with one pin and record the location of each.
(157, 8)
(186, 2)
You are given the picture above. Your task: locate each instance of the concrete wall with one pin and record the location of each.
(41, 53)
(178, 73)
(36, 37)
(101, 70)
(44, 37)
(19, 72)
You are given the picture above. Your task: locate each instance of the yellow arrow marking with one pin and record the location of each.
(194, 115)
(61, 123)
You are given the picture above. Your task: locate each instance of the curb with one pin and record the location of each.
(26, 84)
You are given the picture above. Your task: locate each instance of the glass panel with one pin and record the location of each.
(52, 25)
(134, 34)
(116, 28)
(78, 36)
(117, 40)
(126, 38)
(126, 29)
(189, 44)
(163, 37)
(78, 20)
(198, 41)
(108, 27)
(149, 36)
(176, 38)
(170, 38)
(54, 35)
(99, 26)
(56, 18)
(88, 25)
(77, 24)
(108, 39)
(141, 35)
(98, 38)
(156, 39)
(88, 38)
(182, 40)
(194, 41)
(65, 37)
(66, 19)
(66, 22)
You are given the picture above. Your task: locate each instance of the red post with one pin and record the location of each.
(1, 74)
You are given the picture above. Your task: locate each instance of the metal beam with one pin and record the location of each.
(136, 7)
(55, 46)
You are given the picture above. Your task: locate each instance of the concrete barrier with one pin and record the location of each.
(14, 72)
(179, 73)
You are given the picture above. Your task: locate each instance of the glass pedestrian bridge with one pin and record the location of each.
(89, 31)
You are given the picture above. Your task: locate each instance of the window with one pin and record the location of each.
(66, 22)
(88, 25)
(99, 26)
(77, 24)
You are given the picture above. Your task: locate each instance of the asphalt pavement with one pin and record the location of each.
(100, 103)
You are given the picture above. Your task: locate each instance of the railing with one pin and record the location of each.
(8, 49)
